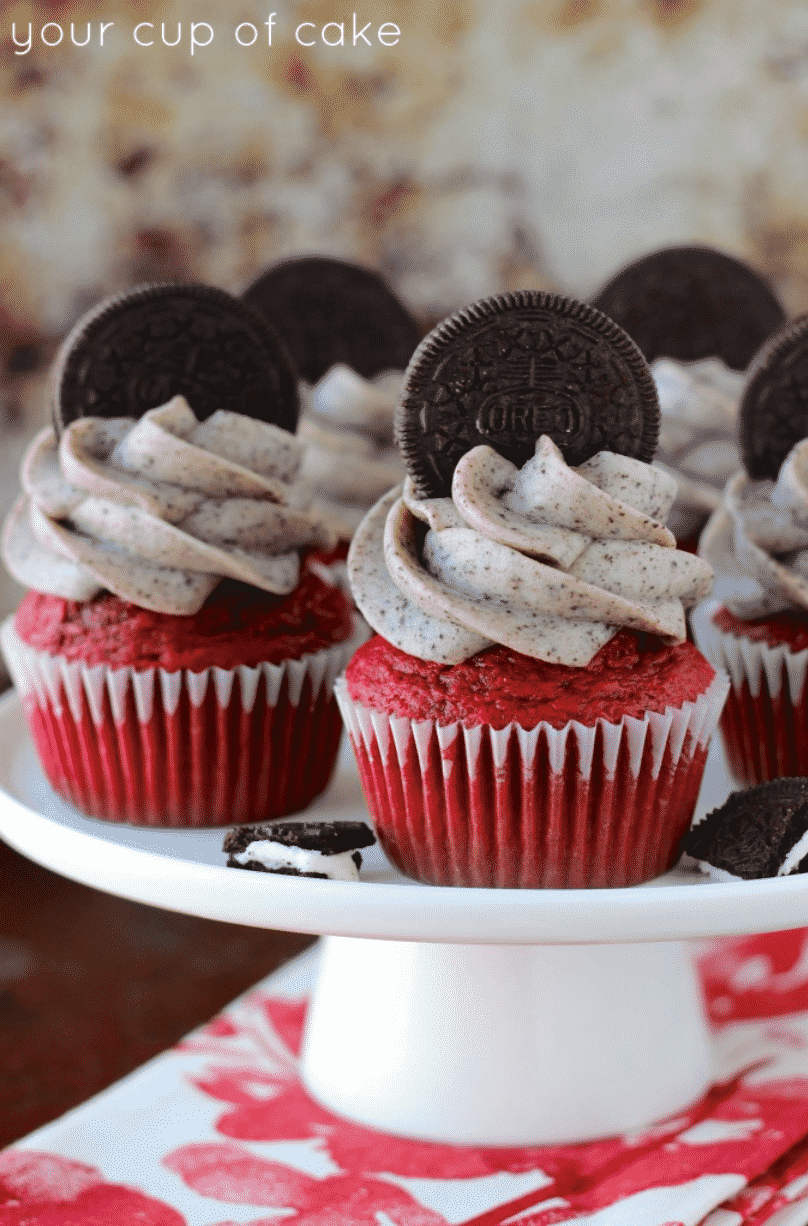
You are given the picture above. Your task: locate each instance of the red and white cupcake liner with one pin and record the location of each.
(765, 721)
(182, 749)
(574, 807)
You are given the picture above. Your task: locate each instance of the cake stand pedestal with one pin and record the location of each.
(505, 1044)
(494, 1017)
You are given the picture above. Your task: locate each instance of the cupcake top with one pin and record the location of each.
(698, 403)
(757, 541)
(350, 456)
(157, 502)
(545, 556)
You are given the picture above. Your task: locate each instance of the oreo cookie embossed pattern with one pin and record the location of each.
(509, 369)
(138, 350)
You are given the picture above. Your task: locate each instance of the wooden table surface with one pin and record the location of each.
(91, 986)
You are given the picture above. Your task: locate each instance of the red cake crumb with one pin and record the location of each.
(238, 624)
(633, 673)
(789, 628)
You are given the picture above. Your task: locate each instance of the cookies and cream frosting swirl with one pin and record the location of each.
(757, 541)
(161, 509)
(350, 458)
(698, 404)
(546, 559)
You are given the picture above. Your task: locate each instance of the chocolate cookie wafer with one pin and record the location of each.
(508, 369)
(761, 832)
(773, 413)
(328, 850)
(135, 351)
(330, 312)
(690, 303)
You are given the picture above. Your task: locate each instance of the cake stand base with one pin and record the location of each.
(503, 1045)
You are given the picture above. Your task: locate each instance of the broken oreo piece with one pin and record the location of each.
(136, 350)
(327, 850)
(690, 303)
(508, 369)
(773, 414)
(760, 832)
(330, 312)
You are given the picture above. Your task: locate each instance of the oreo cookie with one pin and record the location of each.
(508, 369)
(760, 832)
(328, 850)
(330, 311)
(135, 351)
(690, 303)
(773, 414)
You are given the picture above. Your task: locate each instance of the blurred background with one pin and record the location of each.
(532, 143)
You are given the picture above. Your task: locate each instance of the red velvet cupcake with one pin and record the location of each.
(524, 804)
(223, 716)
(531, 713)
(757, 543)
(176, 654)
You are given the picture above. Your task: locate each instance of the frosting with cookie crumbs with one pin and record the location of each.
(758, 540)
(546, 559)
(350, 458)
(160, 510)
(698, 404)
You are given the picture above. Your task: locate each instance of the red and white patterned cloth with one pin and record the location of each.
(220, 1132)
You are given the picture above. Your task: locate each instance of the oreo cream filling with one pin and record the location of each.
(301, 861)
(300, 849)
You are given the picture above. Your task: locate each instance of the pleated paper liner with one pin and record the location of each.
(182, 749)
(765, 721)
(579, 806)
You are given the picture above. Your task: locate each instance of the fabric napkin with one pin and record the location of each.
(219, 1132)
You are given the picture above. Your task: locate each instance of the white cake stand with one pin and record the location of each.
(488, 1017)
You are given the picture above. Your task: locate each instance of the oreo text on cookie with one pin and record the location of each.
(524, 414)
